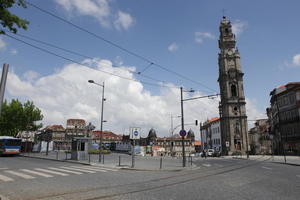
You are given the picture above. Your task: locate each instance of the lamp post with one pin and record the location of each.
(182, 118)
(172, 117)
(182, 125)
(101, 124)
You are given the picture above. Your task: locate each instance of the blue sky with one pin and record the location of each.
(179, 35)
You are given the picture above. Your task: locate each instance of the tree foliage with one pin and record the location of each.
(16, 117)
(9, 20)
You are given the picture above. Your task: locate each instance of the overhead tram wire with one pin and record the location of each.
(119, 47)
(73, 61)
(85, 56)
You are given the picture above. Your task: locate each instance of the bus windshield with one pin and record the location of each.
(13, 142)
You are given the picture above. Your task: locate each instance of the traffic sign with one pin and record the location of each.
(135, 133)
(182, 133)
(227, 143)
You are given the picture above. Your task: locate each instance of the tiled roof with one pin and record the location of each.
(72, 121)
(213, 119)
(55, 128)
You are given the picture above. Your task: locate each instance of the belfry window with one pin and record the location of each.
(233, 91)
(226, 31)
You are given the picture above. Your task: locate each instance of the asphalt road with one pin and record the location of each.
(213, 178)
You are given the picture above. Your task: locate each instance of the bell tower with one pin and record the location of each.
(234, 131)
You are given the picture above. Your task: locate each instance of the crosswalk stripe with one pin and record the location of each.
(81, 170)
(5, 178)
(206, 165)
(89, 168)
(36, 173)
(64, 170)
(107, 169)
(26, 176)
(51, 172)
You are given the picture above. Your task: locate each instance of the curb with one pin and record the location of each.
(283, 163)
(68, 161)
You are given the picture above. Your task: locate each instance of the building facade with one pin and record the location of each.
(260, 139)
(232, 106)
(211, 134)
(284, 116)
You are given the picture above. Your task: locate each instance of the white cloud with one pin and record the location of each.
(13, 51)
(2, 44)
(239, 27)
(99, 9)
(296, 60)
(123, 21)
(30, 75)
(201, 36)
(173, 47)
(67, 94)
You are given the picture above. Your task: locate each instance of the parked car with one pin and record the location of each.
(210, 152)
(217, 154)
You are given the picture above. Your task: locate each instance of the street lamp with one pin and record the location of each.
(101, 124)
(182, 119)
(172, 117)
(182, 124)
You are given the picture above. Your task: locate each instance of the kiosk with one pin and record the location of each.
(80, 148)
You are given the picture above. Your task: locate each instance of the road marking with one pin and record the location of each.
(5, 178)
(107, 169)
(26, 176)
(206, 165)
(81, 170)
(64, 170)
(266, 168)
(298, 176)
(89, 168)
(36, 173)
(51, 172)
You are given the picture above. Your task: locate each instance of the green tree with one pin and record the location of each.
(16, 117)
(9, 20)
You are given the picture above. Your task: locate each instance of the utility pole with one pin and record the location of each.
(3, 83)
(182, 129)
(101, 123)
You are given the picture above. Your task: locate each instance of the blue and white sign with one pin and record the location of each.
(182, 133)
(135, 134)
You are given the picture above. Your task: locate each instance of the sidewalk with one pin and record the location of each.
(290, 160)
(121, 161)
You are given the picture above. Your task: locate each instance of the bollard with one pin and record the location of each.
(89, 158)
(160, 164)
(56, 155)
(103, 159)
(119, 160)
(191, 161)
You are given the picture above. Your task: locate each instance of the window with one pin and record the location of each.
(233, 91)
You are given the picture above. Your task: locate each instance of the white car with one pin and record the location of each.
(210, 152)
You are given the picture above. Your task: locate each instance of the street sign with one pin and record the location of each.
(182, 133)
(135, 133)
(227, 144)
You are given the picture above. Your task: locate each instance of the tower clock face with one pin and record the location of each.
(230, 52)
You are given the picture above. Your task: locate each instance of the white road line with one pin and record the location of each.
(298, 176)
(5, 178)
(266, 168)
(107, 169)
(206, 165)
(81, 170)
(36, 173)
(64, 170)
(51, 172)
(26, 176)
(89, 168)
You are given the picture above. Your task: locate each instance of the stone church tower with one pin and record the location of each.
(232, 108)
